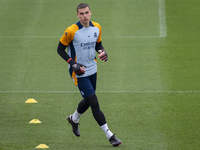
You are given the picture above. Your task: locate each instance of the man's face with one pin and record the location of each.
(84, 15)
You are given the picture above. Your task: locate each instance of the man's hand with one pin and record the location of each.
(78, 69)
(103, 55)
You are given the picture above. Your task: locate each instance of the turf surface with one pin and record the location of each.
(149, 88)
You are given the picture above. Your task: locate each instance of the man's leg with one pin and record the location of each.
(86, 88)
(82, 107)
(74, 119)
(100, 118)
(97, 113)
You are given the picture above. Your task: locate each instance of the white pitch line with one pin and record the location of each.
(162, 19)
(101, 91)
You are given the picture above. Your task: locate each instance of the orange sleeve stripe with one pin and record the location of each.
(69, 60)
(98, 26)
(68, 35)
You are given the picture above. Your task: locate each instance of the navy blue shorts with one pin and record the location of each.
(87, 85)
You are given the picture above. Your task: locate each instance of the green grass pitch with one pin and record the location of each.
(149, 89)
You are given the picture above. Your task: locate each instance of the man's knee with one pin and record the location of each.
(93, 101)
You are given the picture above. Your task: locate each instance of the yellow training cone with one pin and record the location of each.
(31, 100)
(35, 121)
(42, 146)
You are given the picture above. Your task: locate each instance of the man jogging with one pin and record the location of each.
(82, 41)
